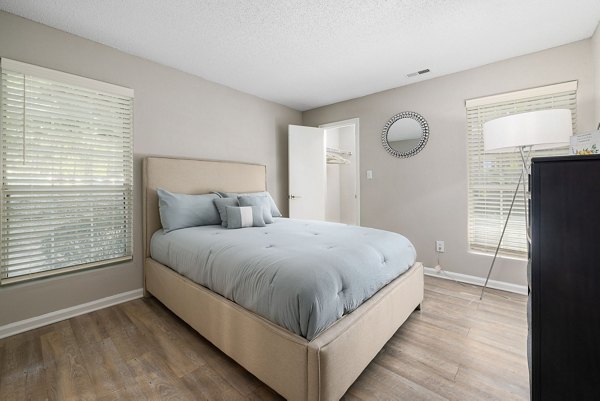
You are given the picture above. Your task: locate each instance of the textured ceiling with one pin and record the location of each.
(310, 53)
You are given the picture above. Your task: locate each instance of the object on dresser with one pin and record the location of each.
(586, 143)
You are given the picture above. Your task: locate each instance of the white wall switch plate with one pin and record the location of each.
(369, 174)
(440, 246)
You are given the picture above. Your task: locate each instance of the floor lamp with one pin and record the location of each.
(544, 129)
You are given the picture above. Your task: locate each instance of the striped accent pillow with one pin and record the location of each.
(245, 216)
(261, 201)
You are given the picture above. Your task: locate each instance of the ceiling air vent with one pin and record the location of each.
(414, 74)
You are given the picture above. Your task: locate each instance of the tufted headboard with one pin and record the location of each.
(193, 177)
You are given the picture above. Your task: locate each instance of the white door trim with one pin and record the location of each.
(355, 123)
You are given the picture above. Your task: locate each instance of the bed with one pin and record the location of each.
(317, 370)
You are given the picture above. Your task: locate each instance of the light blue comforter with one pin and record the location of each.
(302, 275)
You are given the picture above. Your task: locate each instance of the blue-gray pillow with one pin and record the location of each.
(182, 210)
(245, 216)
(274, 209)
(261, 201)
(221, 204)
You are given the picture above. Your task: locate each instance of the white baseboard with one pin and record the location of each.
(56, 316)
(480, 281)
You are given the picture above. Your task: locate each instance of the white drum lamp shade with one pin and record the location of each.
(542, 129)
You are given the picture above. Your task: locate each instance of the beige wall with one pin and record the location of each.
(176, 114)
(425, 197)
(596, 65)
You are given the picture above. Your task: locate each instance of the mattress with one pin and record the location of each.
(301, 275)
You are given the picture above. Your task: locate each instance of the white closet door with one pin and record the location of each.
(307, 172)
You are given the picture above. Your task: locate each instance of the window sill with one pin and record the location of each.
(500, 256)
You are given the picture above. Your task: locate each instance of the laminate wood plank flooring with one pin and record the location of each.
(455, 348)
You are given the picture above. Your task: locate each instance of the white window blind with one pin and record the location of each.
(493, 177)
(67, 172)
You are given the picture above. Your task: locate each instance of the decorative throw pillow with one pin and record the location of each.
(245, 216)
(221, 204)
(261, 201)
(182, 210)
(274, 209)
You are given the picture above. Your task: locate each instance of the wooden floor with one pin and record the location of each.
(455, 348)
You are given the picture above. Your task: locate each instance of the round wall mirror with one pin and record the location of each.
(405, 134)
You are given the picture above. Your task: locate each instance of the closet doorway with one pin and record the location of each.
(324, 173)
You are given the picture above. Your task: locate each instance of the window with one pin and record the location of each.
(493, 177)
(67, 179)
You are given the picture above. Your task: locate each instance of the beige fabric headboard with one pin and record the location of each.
(193, 177)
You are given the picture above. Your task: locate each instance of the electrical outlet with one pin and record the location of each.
(440, 246)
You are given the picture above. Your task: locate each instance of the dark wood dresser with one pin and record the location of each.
(565, 278)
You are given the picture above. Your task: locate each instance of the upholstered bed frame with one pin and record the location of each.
(319, 370)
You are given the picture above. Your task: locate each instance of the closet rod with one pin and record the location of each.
(339, 152)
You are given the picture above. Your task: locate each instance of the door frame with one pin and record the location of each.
(345, 123)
